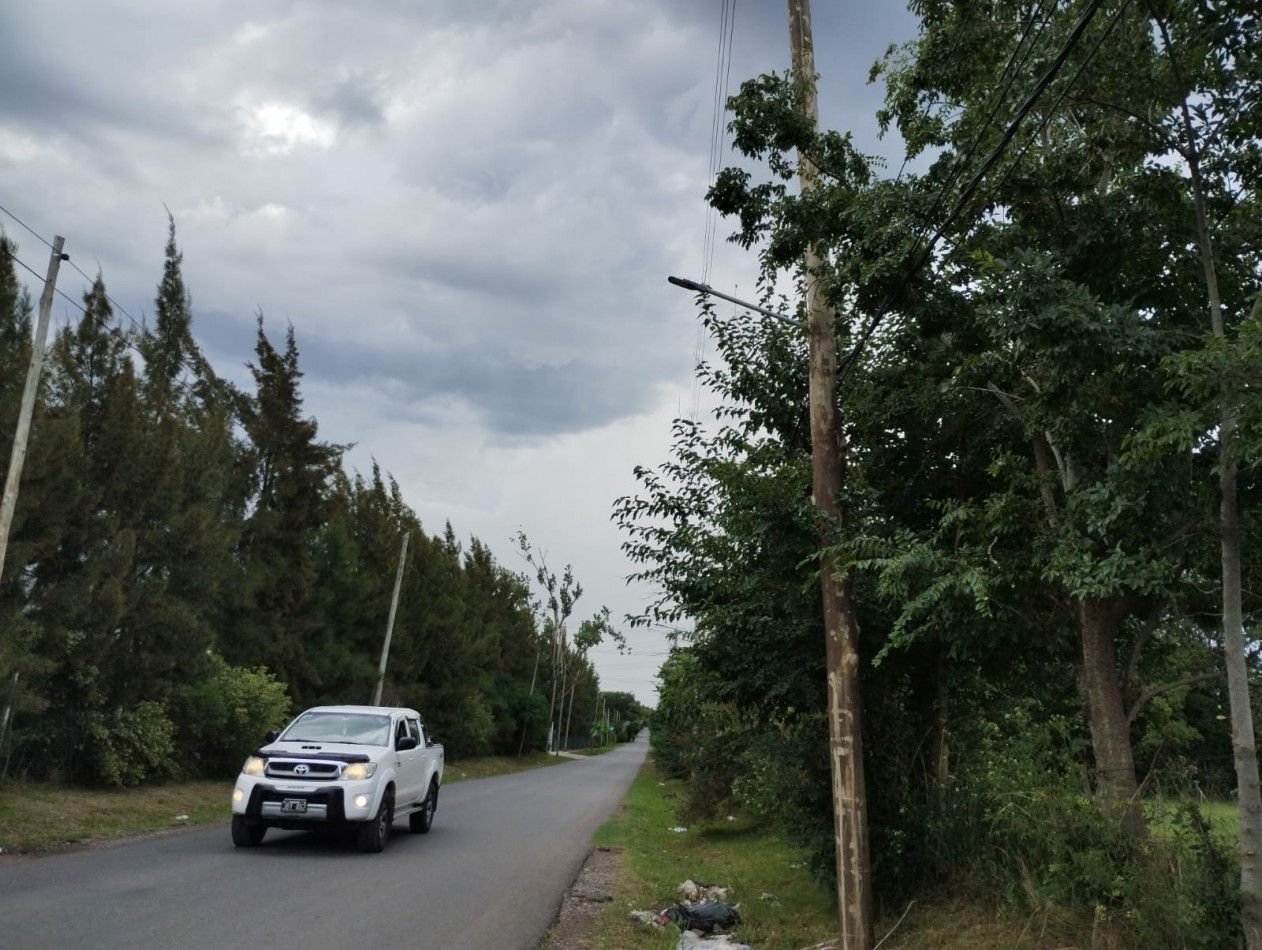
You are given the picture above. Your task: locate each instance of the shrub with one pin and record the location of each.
(131, 744)
(226, 716)
(1015, 823)
(461, 721)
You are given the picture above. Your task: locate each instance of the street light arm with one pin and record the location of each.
(700, 288)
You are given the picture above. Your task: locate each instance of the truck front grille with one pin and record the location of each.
(302, 770)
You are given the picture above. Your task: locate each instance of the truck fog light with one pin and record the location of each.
(361, 801)
(238, 795)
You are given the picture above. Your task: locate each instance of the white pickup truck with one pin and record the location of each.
(341, 767)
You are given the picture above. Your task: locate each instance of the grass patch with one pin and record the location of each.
(1223, 818)
(44, 817)
(751, 859)
(596, 750)
(492, 765)
(742, 855)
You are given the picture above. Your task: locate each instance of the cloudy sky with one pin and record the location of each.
(467, 210)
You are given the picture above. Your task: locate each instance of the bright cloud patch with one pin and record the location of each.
(274, 128)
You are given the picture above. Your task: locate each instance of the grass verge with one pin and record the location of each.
(742, 855)
(783, 909)
(35, 817)
(44, 817)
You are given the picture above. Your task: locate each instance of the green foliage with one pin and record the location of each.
(520, 716)
(463, 722)
(1015, 822)
(129, 746)
(225, 717)
(185, 550)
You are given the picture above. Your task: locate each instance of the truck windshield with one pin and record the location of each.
(357, 728)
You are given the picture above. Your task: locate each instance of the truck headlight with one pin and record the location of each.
(359, 770)
(253, 766)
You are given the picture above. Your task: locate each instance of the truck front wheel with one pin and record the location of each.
(373, 833)
(245, 834)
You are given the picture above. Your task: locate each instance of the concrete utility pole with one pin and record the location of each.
(841, 628)
(18, 456)
(394, 604)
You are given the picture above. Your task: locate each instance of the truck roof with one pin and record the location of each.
(363, 710)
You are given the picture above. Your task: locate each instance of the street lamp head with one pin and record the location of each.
(700, 288)
(687, 284)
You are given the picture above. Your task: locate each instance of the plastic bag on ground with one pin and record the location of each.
(690, 941)
(703, 917)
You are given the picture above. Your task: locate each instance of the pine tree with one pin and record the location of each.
(272, 617)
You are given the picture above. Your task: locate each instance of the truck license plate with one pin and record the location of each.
(294, 805)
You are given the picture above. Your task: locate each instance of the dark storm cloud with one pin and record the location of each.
(512, 398)
(353, 100)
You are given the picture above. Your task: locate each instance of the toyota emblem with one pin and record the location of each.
(301, 769)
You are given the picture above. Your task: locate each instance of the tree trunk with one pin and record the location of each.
(1245, 753)
(1117, 791)
(941, 708)
(1244, 749)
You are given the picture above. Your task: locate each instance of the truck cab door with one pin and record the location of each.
(410, 771)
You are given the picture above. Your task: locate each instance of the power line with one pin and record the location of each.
(114, 303)
(1003, 86)
(117, 331)
(47, 243)
(722, 79)
(137, 326)
(919, 258)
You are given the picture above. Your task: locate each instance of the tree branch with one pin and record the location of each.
(1041, 461)
(1156, 691)
(1132, 665)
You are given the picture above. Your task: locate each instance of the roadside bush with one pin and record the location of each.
(225, 717)
(514, 710)
(462, 721)
(785, 777)
(677, 726)
(1015, 823)
(131, 745)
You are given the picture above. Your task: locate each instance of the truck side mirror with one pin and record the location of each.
(405, 743)
(271, 736)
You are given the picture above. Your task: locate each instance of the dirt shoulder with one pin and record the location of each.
(586, 897)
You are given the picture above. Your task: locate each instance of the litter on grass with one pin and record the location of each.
(688, 940)
(706, 918)
(694, 892)
(646, 918)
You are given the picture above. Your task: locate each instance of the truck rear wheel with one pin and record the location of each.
(421, 821)
(374, 833)
(245, 834)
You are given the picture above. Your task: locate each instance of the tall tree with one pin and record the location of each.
(272, 613)
(559, 599)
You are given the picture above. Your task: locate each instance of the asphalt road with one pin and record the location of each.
(491, 874)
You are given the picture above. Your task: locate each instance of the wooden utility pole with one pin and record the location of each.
(18, 456)
(4, 725)
(841, 628)
(394, 604)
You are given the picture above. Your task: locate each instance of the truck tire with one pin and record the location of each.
(374, 833)
(421, 821)
(245, 834)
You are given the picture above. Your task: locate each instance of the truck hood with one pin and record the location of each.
(337, 751)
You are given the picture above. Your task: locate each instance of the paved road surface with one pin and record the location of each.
(490, 875)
